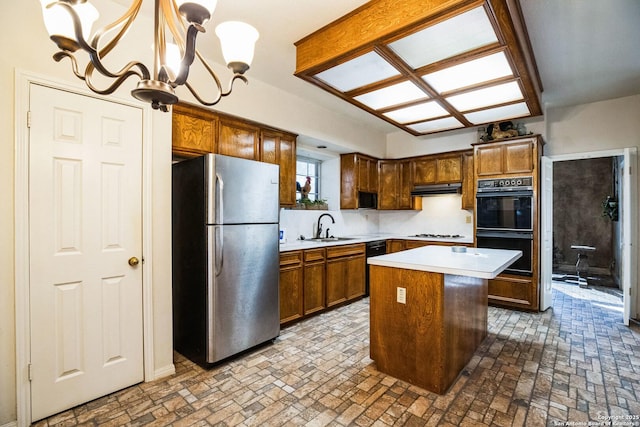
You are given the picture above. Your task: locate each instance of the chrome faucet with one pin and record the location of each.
(319, 226)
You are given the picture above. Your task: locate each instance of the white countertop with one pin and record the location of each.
(475, 262)
(310, 244)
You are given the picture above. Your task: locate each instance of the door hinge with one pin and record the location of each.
(30, 372)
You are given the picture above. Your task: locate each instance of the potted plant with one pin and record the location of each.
(320, 204)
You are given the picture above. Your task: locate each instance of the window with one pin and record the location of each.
(307, 169)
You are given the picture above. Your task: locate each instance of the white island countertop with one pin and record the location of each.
(475, 262)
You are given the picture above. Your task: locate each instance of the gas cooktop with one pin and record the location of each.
(439, 236)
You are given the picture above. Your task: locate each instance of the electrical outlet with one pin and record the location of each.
(468, 219)
(401, 295)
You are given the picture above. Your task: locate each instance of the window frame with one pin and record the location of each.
(318, 166)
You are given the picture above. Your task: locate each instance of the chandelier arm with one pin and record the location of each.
(221, 94)
(59, 56)
(171, 11)
(125, 21)
(189, 55)
(123, 75)
(92, 51)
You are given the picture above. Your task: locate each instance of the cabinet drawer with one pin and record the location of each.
(346, 250)
(511, 290)
(313, 255)
(290, 258)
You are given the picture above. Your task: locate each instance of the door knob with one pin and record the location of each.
(133, 261)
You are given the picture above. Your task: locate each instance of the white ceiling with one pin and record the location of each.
(586, 50)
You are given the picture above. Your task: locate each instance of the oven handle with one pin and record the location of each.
(505, 234)
(525, 193)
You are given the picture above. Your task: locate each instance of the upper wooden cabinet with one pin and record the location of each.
(197, 131)
(367, 174)
(238, 139)
(357, 173)
(194, 130)
(468, 182)
(516, 156)
(280, 148)
(394, 185)
(437, 169)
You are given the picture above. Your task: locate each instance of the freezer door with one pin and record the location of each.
(241, 191)
(244, 308)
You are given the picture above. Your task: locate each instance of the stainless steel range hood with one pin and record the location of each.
(429, 190)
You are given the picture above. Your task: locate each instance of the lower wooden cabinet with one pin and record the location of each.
(345, 273)
(395, 245)
(291, 289)
(316, 279)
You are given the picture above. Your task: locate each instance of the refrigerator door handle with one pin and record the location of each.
(219, 250)
(219, 230)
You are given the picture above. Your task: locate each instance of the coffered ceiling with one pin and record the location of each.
(427, 67)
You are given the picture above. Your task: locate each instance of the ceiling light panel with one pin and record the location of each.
(462, 33)
(361, 71)
(500, 113)
(470, 73)
(425, 111)
(499, 94)
(400, 93)
(436, 125)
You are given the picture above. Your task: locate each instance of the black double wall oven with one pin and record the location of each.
(504, 219)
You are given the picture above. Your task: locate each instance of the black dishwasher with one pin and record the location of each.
(375, 248)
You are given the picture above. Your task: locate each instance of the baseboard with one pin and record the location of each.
(10, 424)
(162, 372)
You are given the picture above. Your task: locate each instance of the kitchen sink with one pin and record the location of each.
(331, 239)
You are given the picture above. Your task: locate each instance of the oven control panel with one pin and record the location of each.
(505, 184)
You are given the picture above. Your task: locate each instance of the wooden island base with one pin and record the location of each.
(428, 340)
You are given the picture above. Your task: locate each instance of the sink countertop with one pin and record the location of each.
(475, 262)
(363, 238)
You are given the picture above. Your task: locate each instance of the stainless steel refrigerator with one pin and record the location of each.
(225, 256)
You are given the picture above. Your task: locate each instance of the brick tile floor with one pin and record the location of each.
(574, 363)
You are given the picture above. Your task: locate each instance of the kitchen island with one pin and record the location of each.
(429, 311)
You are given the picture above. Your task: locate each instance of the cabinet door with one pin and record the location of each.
(367, 174)
(288, 170)
(449, 169)
(336, 276)
(412, 244)
(193, 130)
(388, 193)
(290, 293)
(468, 182)
(373, 176)
(355, 280)
(518, 157)
(280, 149)
(424, 171)
(348, 181)
(238, 139)
(405, 185)
(395, 245)
(314, 287)
(489, 160)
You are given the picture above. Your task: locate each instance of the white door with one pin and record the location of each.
(85, 179)
(629, 229)
(546, 255)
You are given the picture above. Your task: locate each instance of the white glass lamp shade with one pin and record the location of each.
(238, 41)
(198, 11)
(59, 23)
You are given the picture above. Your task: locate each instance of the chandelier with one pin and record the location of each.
(69, 25)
